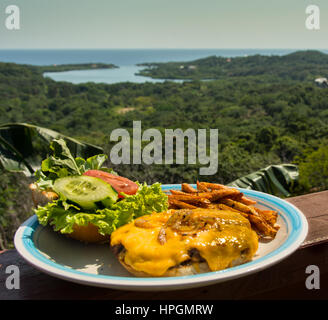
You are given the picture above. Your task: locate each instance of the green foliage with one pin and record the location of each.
(295, 66)
(70, 67)
(15, 205)
(314, 170)
(270, 119)
(261, 120)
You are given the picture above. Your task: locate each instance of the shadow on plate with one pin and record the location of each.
(89, 258)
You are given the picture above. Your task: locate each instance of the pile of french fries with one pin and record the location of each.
(218, 196)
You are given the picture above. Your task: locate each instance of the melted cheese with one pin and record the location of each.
(220, 244)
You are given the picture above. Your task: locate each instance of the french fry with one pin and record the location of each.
(236, 197)
(194, 200)
(262, 226)
(239, 206)
(179, 204)
(178, 192)
(213, 186)
(215, 195)
(269, 216)
(201, 187)
(206, 195)
(223, 193)
(185, 187)
(222, 206)
(247, 201)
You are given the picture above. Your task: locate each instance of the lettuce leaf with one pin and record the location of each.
(62, 215)
(61, 163)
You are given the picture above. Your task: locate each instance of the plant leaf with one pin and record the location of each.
(275, 179)
(23, 146)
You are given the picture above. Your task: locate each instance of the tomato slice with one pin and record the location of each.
(120, 184)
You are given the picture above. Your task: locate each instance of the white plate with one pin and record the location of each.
(95, 265)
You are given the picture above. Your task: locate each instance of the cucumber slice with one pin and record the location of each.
(86, 191)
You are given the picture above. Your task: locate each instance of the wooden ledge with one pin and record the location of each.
(315, 208)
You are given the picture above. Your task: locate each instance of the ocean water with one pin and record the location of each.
(125, 59)
(121, 74)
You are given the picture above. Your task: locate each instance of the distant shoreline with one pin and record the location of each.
(74, 67)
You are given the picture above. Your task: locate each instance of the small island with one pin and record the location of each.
(74, 67)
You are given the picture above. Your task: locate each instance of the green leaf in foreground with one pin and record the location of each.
(275, 179)
(23, 145)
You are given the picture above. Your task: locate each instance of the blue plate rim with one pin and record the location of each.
(297, 230)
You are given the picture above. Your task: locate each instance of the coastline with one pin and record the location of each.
(73, 67)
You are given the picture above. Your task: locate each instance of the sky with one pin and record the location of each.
(74, 24)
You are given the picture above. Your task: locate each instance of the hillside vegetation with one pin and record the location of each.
(301, 65)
